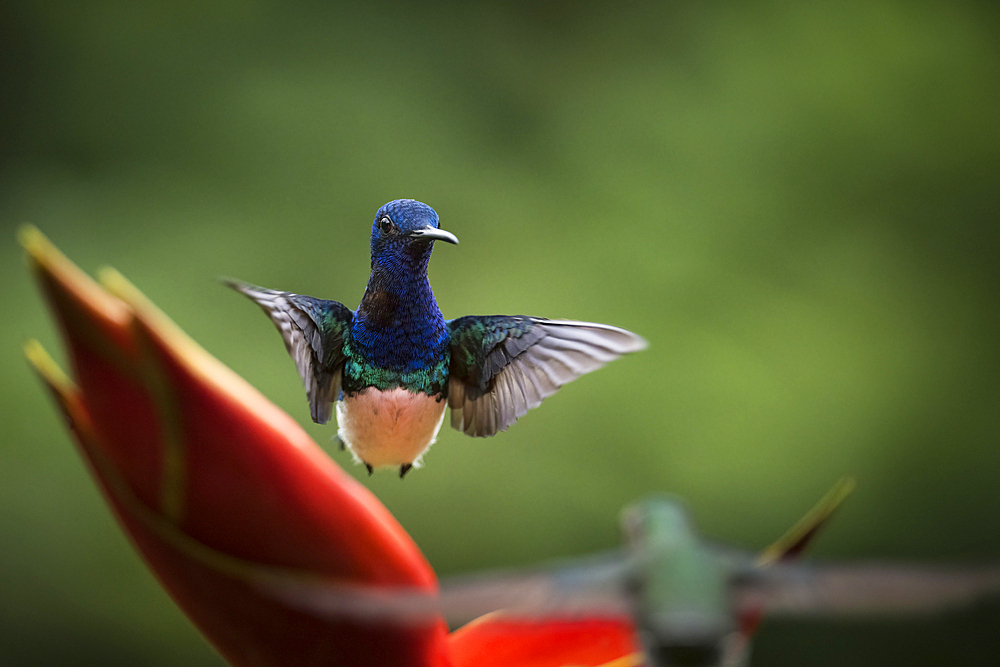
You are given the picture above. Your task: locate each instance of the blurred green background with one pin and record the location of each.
(799, 207)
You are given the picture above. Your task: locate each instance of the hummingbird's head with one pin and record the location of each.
(405, 229)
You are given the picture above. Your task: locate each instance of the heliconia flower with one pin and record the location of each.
(497, 641)
(228, 499)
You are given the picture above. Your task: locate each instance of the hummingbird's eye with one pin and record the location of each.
(385, 224)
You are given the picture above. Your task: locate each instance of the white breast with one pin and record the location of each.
(389, 428)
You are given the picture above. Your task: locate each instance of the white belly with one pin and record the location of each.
(389, 428)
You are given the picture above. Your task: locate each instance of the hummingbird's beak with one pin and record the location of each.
(433, 234)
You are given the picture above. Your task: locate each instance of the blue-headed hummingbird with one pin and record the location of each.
(392, 365)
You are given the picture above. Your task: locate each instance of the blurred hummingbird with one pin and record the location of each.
(693, 602)
(392, 365)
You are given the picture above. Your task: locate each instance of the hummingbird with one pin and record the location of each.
(693, 601)
(392, 365)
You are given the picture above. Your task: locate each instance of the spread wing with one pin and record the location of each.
(314, 331)
(502, 366)
(863, 589)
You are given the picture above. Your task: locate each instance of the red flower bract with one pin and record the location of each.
(219, 490)
(225, 495)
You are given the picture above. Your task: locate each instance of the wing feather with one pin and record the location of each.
(314, 331)
(504, 366)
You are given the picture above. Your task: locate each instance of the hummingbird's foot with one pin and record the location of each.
(370, 469)
(403, 469)
(340, 443)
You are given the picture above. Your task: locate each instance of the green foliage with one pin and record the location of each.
(797, 206)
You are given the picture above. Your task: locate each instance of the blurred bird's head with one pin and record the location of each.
(404, 232)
